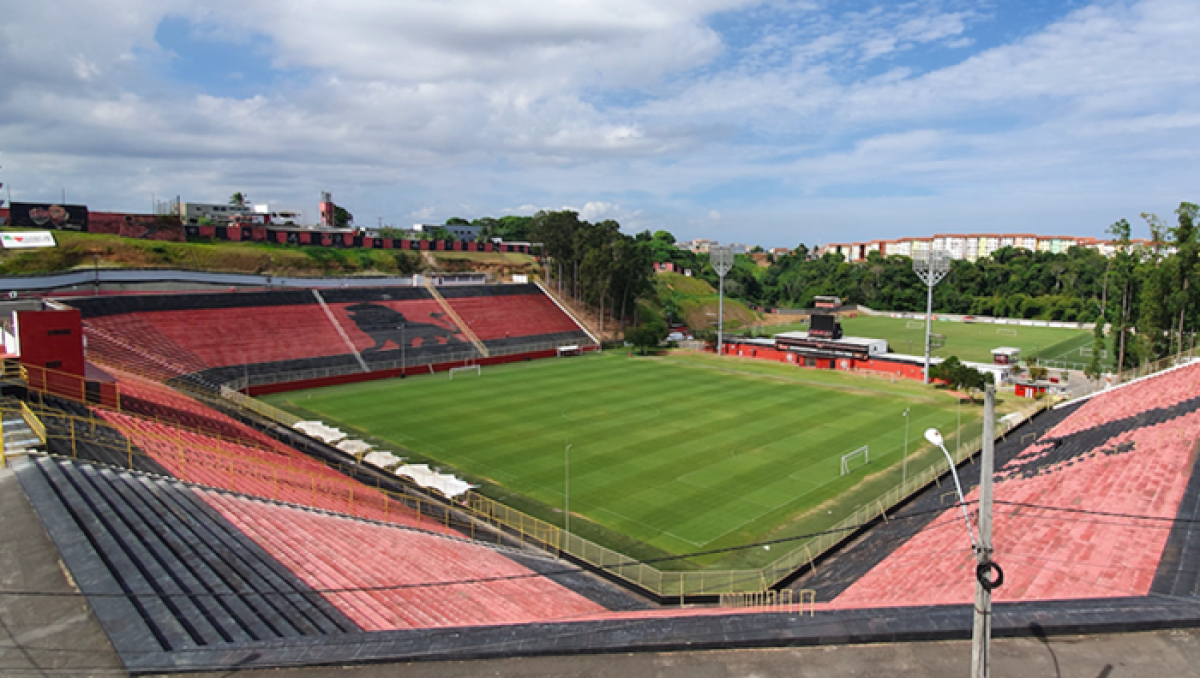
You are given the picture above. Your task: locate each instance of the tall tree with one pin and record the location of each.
(1124, 268)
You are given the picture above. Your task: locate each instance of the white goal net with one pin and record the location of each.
(856, 459)
(468, 368)
(1006, 332)
(915, 324)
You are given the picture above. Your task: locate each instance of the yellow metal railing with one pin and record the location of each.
(35, 424)
(195, 462)
(672, 584)
(260, 408)
(478, 510)
(10, 369)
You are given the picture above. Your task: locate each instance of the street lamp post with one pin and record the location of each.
(567, 487)
(930, 266)
(904, 481)
(985, 568)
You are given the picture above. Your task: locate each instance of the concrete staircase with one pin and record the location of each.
(19, 436)
(462, 326)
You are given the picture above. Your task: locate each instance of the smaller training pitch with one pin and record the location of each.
(683, 453)
(969, 341)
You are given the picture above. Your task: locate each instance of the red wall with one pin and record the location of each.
(389, 374)
(50, 337)
(900, 369)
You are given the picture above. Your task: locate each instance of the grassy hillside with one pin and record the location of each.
(84, 250)
(696, 299)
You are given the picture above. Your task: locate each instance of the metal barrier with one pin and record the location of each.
(271, 378)
(286, 483)
(35, 424)
(681, 584)
(10, 369)
(71, 386)
(787, 600)
(1146, 369)
(260, 408)
(478, 510)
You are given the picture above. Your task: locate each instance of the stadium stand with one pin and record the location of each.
(523, 312)
(411, 579)
(272, 474)
(218, 338)
(1083, 511)
(194, 579)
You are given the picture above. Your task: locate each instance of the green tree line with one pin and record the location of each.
(1144, 294)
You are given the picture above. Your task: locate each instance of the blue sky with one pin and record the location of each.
(773, 122)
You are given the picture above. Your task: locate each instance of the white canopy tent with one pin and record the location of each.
(446, 484)
(320, 431)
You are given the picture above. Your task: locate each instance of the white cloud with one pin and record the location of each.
(640, 110)
(423, 214)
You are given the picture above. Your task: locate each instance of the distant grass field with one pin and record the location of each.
(968, 341)
(669, 455)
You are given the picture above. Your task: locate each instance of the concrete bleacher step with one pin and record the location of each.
(18, 435)
(197, 580)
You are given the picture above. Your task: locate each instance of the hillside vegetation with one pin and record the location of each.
(85, 250)
(691, 300)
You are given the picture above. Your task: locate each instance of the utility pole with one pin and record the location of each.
(904, 482)
(981, 636)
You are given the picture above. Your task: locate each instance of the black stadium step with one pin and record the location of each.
(194, 579)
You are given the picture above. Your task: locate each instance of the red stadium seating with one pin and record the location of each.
(262, 468)
(173, 343)
(522, 315)
(413, 579)
(1122, 469)
(1162, 390)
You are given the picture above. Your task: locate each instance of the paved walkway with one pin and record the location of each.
(39, 636)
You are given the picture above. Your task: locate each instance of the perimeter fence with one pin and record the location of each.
(477, 512)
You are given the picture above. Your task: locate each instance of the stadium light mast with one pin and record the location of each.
(721, 257)
(930, 266)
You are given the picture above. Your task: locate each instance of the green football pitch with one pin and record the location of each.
(670, 455)
(969, 341)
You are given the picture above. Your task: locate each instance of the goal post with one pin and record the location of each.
(467, 368)
(1006, 332)
(915, 325)
(856, 459)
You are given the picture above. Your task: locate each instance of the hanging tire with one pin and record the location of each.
(982, 572)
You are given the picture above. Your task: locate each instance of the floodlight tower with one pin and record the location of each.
(721, 257)
(930, 266)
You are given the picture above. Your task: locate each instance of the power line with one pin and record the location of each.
(457, 582)
(575, 570)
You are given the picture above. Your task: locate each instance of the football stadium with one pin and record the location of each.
(273, 478)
